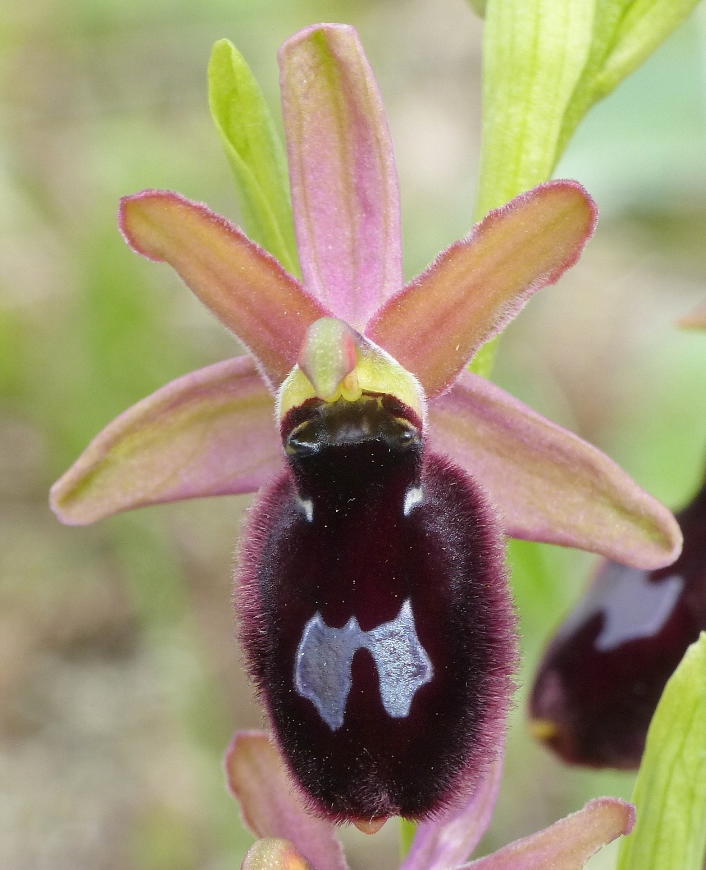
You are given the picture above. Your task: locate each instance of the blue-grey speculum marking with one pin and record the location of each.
(322, 667)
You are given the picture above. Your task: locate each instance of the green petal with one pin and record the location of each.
(645, 24)
(670, 791)
(255, 152)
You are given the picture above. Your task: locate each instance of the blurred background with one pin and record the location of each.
(120, 679)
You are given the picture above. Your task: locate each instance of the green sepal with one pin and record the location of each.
(670, 790)
(254, 151)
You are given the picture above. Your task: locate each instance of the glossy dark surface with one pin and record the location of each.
(603, 673)
(365, 529)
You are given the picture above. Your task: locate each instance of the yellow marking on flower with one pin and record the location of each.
(337, 362)
(350, 387)
(543, 729)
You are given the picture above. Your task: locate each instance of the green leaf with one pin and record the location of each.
(670, 791)
(625, 33)
(254, 151)
(546, 62)
(644, 26)
(534, 54)
(606, 22)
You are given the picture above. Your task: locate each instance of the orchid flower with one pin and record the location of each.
(607, 665)
(376, 617)
(293, 839)
(605, 669)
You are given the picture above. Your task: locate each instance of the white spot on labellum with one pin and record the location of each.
(307, 506)
(412, 498)
(322, 667)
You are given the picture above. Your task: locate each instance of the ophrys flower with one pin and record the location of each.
(377, 619)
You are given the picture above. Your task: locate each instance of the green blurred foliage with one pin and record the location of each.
(120, 681)
(670, 789)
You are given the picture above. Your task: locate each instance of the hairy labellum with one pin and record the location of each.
(603, 673)
(375, 614)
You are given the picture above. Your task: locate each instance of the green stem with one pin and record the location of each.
(534, 52)
(407, 831)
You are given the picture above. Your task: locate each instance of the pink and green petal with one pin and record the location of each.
(274, 853)
(243, 285)
(568, 843)
(450, 838)
(210, 432)
(474, 288)
(271, 803)
(548, 484)
(342, 170)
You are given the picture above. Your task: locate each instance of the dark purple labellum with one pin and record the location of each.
(375, 614)
(603, 673)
